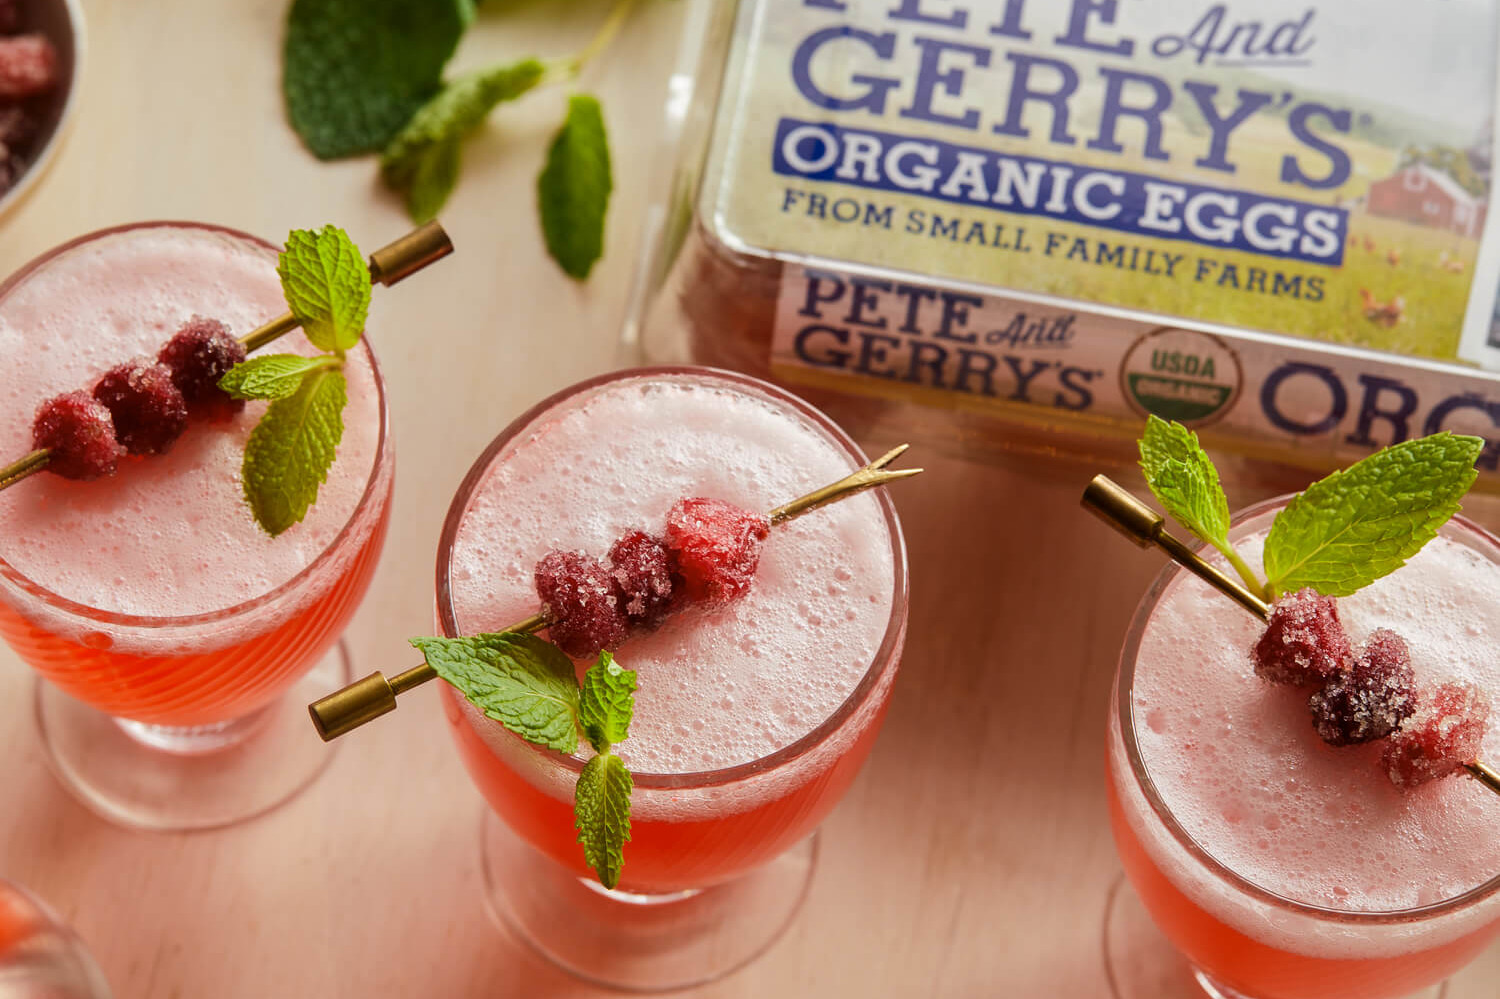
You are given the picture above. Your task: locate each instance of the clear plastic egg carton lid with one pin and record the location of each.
(1026, 226)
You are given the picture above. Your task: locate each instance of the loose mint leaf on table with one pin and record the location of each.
(601, 809)
(520, 681)
(272, 376)
(1347, 530)
(574, 187)
(606, 703)
(355, 71)
(291, 449)
(422, 161)
(327, 286)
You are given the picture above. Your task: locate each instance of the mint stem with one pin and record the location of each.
(1246, 573)
(604, 36)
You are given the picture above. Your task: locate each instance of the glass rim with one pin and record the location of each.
(1124, 715)
(886, 655)
(97, 615)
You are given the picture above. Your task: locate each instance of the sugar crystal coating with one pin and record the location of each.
(578, 597)
(718, 547)
(1442, 735)
(199, 355)
(28, 66)
(642, 567)
(76, 428)
(1304, 644)
(148, 411)
(1375, 696)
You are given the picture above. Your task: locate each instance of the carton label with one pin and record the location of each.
(965, 349)
(1316, 169)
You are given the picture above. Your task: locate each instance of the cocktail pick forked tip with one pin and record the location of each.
(1121, 509)
(393, 262)
(368, 698)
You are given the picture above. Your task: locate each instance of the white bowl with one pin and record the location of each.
(62, 22)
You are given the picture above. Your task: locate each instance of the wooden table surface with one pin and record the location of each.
(972, 857)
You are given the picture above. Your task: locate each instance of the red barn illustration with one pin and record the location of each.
(1426, 196)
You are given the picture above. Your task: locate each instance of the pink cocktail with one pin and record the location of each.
(160, 614)
(1281, 867)
(751, 719)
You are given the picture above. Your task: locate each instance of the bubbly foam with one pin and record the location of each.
(168, 535)
(1239, 765)
(717, 687)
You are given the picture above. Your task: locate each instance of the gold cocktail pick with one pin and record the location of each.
(1121, 509)
(391, 263)
(367, 699)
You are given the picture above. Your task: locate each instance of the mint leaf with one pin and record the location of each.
(573, 189)
(327, 285)
(433, 181)
(422, 161)
(355, 71)
(1184, 481)
(291, 449)
(520, 681)
(601, 813)
(1347, 530)
(271, 376)
(605, 704)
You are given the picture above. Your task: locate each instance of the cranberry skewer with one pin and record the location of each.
(367, 699)
(391, 263)
(1122, 510)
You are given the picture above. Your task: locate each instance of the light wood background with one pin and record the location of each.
(971, 859)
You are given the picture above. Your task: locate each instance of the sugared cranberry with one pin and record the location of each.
(1439, 738)
(199, 355)
(717, 545)
(578, 596)
(642, 569)
(1377, 694)
(28, 66)
(148, 411)
(1304, 644)
(76, 428)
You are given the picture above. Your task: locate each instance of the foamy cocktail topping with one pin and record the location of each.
(168, 535)
(1239, 765)
(717, 686)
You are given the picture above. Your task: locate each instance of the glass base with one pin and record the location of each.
(1141, 963)
(165, 778)
(639, 943)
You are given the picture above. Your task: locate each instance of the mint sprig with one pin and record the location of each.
(366, 76)
(1347, 530)
(529, 686)
(1341, 533)
(422, 162)
(291, 449)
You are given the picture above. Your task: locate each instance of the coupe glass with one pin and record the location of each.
(195, 721)
(718, 862)
(1182, 924)
(40, 958)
